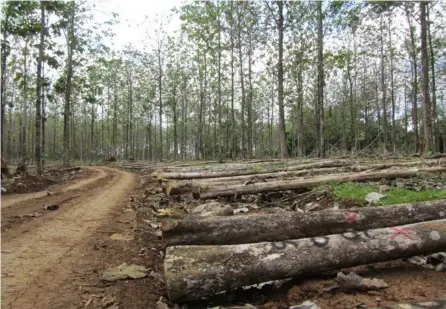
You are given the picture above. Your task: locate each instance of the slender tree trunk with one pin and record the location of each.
(174, 115)
(320, 80)
(4, 55)
(435, 126)
(300, 108)
(425, 89)
(383, 85)
(234, 135)
(25, 106)
(115, 115)
(92, 135)
(242, 82)
(250, 97)
(281, 28)
(392, 88)
(44, 119)
(413, 53)
(38, 155)
(70, 46)
(352, 109)
(220, 139)
(160, 76)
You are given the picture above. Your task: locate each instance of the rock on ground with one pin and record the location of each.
(213, 209)
(124, 271)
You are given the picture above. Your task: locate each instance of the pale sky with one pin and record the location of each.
(132, 14)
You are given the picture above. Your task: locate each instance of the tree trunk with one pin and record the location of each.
(392, 88)
(92, 137)
(233, 153)
(320, 80)
(242, 82)
(220, 129)
(425, 89)
(115, 114)
(300, 111)
(435, 126)
(44, 119)
(250, 96)
(4, 55)
(282, 133)
(38, 155)
(415, 79)
(193, 272)
(230, 230)
(307, 183)
(24, 154)
(383, 86)
(160, 76)
(70, 47)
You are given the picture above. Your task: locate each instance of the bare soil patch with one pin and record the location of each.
(28, 183)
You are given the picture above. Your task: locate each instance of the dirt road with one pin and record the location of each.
(9, 200)
(38, 256)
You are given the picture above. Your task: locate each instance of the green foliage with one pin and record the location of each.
(358, 192)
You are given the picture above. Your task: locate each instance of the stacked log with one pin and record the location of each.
(238, 190)
(192, 230)
(200, 182)
(193, 272)
(208, 255)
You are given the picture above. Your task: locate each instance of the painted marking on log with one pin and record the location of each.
(320, 241)
(400, 231)
(434, 235)
(351, 235)
(350, 217)
(281, 245)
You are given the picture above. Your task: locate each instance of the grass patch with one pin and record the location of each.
(358, 192)
(256, 168)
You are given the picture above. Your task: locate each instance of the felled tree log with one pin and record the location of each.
(193, 272)
(311, 182)
(433, 304)
(229, 173)
(71, 169)
(278, 227)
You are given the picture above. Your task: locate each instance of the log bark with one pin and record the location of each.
(311, 182)
(193, 272)
(293, 170)
(278, 227)
(171, 187)
(205, 175)
(432, 304)
(71, 169)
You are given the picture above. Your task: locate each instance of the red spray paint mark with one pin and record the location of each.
(350, 217)
(400, 231)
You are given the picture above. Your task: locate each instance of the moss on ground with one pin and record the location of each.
(358, 192)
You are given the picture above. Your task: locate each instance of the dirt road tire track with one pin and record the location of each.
(35, 265)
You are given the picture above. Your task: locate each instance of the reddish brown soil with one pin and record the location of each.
(28, 183)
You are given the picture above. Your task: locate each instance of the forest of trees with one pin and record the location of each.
(239, 80)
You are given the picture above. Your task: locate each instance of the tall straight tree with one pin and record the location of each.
(38, 156)
(320, 81)
(413, 53)
(427, 117)
(435, 133)
(67, 108)
(280, 23)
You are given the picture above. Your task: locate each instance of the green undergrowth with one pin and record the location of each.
(358, 192)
